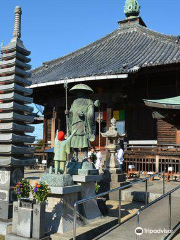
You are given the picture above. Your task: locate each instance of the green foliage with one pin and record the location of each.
(97, 188)
(93, 157)
(22, 189)
(40, 192)
(40, 143)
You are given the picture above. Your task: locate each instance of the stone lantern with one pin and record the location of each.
(113, 177)
(112, 136)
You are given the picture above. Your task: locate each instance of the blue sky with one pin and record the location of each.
(52, 28)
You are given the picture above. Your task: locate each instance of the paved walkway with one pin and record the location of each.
(155, 218)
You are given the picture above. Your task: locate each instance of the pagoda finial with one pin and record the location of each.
(17, 23)
(2, 43)
(132, 8)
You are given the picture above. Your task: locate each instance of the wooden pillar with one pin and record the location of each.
(157, 163)
(45, 130)
(178, 136)
(109, 111)
(53, 127)
(109, 117)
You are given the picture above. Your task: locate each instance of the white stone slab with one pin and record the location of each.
(88, 178)
(65, 190)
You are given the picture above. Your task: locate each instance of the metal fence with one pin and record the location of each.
(155, 201)
(114, 190)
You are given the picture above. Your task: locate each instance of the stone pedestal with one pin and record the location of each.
(116, 179)
(28, 220)
(89, 210)
(59, 210)
(112, 178)
(39, 221)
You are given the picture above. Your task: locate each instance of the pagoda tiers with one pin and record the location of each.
(15, 115)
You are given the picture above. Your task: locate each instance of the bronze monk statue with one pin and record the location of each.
(81, 116)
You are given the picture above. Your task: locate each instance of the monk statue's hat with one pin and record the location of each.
(81, 87)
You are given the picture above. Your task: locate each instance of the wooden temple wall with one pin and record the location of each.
(139, 123)
(166, 133)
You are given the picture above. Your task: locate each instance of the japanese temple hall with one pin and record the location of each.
(135, 73)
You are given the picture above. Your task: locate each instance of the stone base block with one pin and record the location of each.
(24, 227)
(114, 170)
(6, 210)
(88, 172)
(16, 237)
(5, 227)
(65, 190)
(57, 180)
(89, 210)
(130, 196)
(90, 178)
(118, 177)
(59, 209)
(115, 195)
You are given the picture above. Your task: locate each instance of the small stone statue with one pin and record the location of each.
(81, 116)
(61, 149)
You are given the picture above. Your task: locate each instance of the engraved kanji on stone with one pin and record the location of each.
(36, 211)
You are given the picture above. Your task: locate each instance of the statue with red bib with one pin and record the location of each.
(61, 149)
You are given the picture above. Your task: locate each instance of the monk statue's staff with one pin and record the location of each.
(66, 111)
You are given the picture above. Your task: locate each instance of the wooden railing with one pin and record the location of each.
(147, 164)
(153, 157)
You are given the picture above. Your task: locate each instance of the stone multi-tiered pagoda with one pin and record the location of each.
(15, 115)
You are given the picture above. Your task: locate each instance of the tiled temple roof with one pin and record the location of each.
(126, 50)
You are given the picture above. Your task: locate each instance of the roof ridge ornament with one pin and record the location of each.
(132, 8)
(17, 23)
